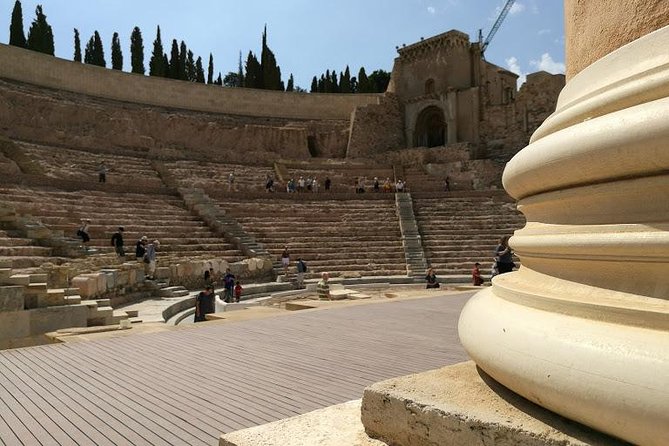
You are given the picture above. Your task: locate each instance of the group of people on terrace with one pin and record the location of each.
(205, 301)
(387, 185)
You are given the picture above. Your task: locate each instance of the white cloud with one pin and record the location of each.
(547, 64)
(517, 8)
(542, 32)
(431, 10)
(514, 67)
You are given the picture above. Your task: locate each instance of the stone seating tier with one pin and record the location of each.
(459, 231)
(159, 217)
(343, 179)
(336, 236)
(213, 176)
(58, 162)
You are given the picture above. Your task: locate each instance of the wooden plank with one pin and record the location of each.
(188, 386)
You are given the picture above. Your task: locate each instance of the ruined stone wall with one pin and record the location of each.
(46, 71)
(78, 121)
(376, 128)
(537, 99)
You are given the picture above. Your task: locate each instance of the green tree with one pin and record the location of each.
(271, 72)
(40, 34)
(94, 53)
(291, 83)
(183, 59)
(174, 60)
(210, 69)
(335, 83)
(16, 35)
(314, 85)
(137, 51)
(364, 85)
(199, 69)
(191, 73)
(240, 72)
(157, 65)
(345, 81)
(77, 46)
(219, 80)
(166, 65)
(116, 53)
(231, 79)
(379, 81)
(354, 84)
(253, 77)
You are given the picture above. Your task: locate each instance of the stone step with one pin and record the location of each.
(173, 291)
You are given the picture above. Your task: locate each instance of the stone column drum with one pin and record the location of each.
(582, 328)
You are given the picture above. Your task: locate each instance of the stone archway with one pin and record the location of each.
(430, 128)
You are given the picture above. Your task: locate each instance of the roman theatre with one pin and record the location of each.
(571, 348)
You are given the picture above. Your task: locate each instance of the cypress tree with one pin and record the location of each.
(321, 84)
(16, 35)
(137, 51)
(40, 34)
(183, 59)
(199, 69)
(314, 85)
(327, 82)
(157, 63)
(345, 81)
(271, 72)
(116, 53)
(363, 82)
(219, 81)
(354, 84)
(191, 73)
(166, 66)
(291, 83)
(240, 72)
(77, 46)
(94, 54)
(88, 51)
(335, 83)
(253, 77)
(174, 60)
(210, 70)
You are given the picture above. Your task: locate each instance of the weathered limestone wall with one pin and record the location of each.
(376, 128)
(51, 72)
(590, 34)
(78, 121)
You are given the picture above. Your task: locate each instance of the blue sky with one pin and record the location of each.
(307, 36)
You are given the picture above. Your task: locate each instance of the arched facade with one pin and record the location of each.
(430, 130)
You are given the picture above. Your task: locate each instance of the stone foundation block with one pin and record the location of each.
(87, 286)
(44, 320)
(460, 405)
(163, 272)
(11, 298)
(14, 324)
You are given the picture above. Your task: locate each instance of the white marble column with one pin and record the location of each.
(583, 328)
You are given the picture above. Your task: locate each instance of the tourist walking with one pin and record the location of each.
(301, 269)
(327, 183)
(285, 260)
(431, 278)
(83, 232)
(231, 181)
(140, 247)
(504, 256)
(117, 242)
(205, 303)
(447, 184)
(228, 285)
(150, 260)
(477, 280)
(102, 172)
(238, 291)
(323, 287)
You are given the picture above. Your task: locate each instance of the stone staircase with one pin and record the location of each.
(411, 239)
(223, 224)
(458, 231)
(347, 237)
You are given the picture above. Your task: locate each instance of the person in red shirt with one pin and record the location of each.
(238, 291)
(476, 275)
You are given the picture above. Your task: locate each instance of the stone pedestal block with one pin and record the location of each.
(11, 298)
(44, 320)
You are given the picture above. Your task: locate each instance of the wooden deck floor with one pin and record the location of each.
(187, 387)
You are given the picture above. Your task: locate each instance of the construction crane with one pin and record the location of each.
(502, 15)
